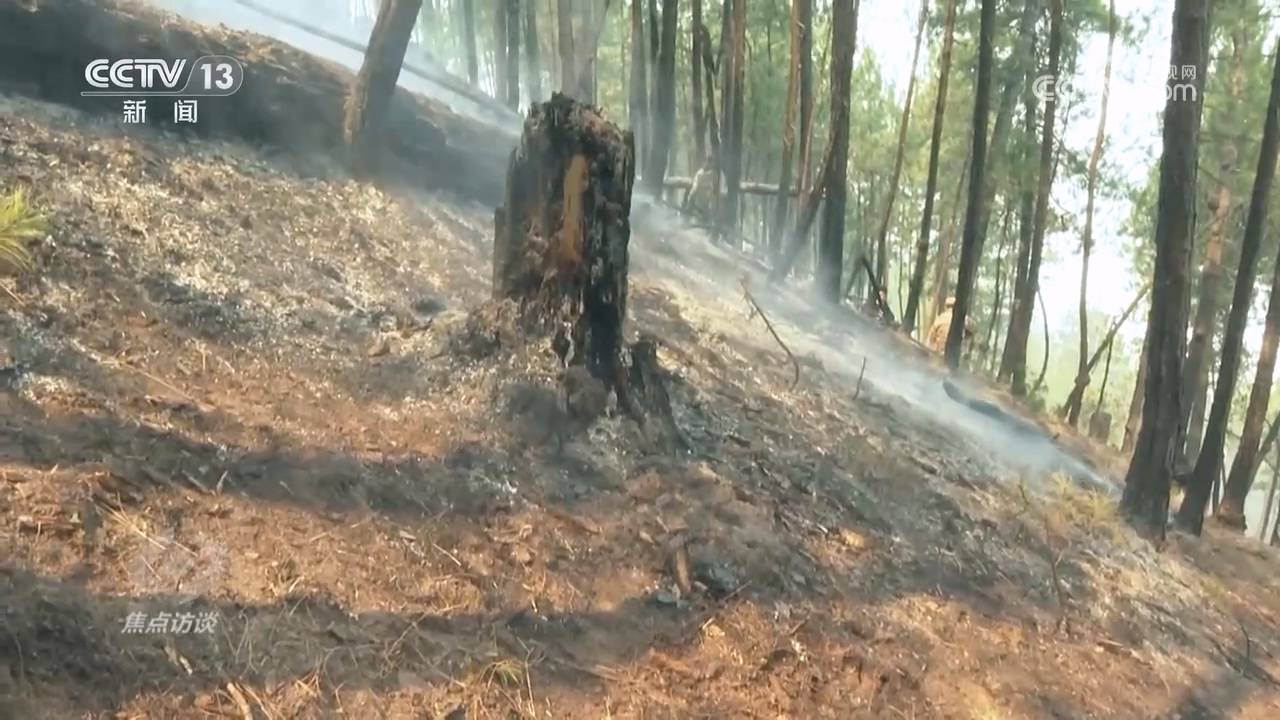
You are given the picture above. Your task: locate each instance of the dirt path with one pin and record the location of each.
(271, 401)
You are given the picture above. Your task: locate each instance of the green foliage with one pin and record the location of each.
(19, 223)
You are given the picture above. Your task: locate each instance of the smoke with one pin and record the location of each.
(666, 248)
(842, 340)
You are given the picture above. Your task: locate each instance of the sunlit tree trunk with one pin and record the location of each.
(931, 184)
(1146, 492)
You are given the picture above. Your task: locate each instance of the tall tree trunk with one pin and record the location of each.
(565, 46)
(695, 84)
(1018, 67)
(1014, 352)
(1244, 467)
(803, 173)
(709, 82)
(500, 66)
(931, 185)
(1146, 492)
(732, 97)
(788, 135)
(638, 104)
(882, 235)
(1134, 418)
(1210, 460)
(998, 294)
(664, 87)
(969, 250)
(844, 15)
(532, 51)
(367, 105)
(1086, 242)
(1041, 222)
(512, 52)
(469, 39)
(1200, 349)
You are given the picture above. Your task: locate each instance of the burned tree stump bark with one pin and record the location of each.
(561, 249)
(561, 238)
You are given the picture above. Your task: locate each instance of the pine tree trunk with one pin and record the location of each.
(1200, 349)
(946, 241)
(469, 39)
(931, 184)
(1210, 460)
(844, 15)
(664, 87)
(532, 51)
(805, 140)
(1244, 467)
(512, 52)
(734, 106)
(1275, 481)
(969, 250)
(1014, 352)
(1086, 242)
(638, 104)
(565, 46)
(788, 136)
(370, 98)
(695, 85)
(1041, 221)
(1146, 492)
(1017, 68)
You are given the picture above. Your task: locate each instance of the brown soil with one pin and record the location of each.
(277, 397)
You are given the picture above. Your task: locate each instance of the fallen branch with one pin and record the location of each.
(757, 310)
(858, 390)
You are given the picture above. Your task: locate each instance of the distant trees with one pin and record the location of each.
(1147, 482)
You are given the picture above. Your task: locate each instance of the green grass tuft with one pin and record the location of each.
(19, 223)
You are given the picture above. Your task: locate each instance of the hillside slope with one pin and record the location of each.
(277, 400)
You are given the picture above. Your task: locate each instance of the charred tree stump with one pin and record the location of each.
(561, 238)
(560, 252)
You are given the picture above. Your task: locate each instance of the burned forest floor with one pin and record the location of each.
(258, 459)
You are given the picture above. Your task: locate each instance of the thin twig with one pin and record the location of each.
(858, 390)
(757, 310)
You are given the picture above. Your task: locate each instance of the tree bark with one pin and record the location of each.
(695, 84)
(561, 237)
(1041, 221)
(969, 250)
(638, 105)
(532, 51)
(370, 98)
(1200, 349)
(1134, 418)
(664, 87)
(1210, 460)
(931, 184)
(733, 100)
(844, 15)
(512, 52)
(1015, 343)
(1146, 492)
(1076, 400)
(1244, 467)
(942, 268)
(469, 39)
(565, 46)
(780, 214)
(1275, 480)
